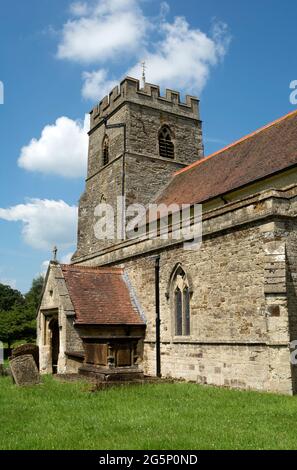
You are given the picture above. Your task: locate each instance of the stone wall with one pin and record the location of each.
(239, 337)
(236, 366)
(116, 141)
(291, 283)
(146, 177)
(105, 186)
(145, 123)
(73, 342)
(291, 276)
(243, 305)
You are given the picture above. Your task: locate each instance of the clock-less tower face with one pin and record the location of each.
(162, 135)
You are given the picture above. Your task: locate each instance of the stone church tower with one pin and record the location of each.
(138, 139)
(223, 314)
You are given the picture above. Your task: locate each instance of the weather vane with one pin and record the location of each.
(143, 65)
(55, 251)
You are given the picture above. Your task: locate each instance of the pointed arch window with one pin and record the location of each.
(186, 307)
(182, 303)
(166, 146)
(105, 150)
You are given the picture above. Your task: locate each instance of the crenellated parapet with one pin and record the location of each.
(130, 91)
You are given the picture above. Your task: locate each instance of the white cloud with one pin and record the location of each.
(164, 10)
(62, 149)
(96, 85)
(183, 59)
(79, 8)
(102, 31)
(177, 54)
(45, 222)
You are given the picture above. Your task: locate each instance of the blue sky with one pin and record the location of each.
(57, 57)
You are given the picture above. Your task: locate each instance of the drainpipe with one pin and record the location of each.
(158, 320)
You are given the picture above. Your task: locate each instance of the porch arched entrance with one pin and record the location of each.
(55, 343)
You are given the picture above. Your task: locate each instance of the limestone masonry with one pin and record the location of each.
(228, 311)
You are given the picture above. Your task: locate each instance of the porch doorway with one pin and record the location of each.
(55, 343)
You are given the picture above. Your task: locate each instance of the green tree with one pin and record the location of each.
(11, 324)
(9, 298)
(33, 297)
(19, 322)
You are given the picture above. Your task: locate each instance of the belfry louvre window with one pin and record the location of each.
(182, 298)
(166, 146)
(105, 151)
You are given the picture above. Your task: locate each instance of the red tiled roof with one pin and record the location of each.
(100, 296)
(269, 150)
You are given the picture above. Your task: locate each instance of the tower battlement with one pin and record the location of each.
(130, 91)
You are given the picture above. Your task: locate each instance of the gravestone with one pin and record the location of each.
(25, 349)
(24, 370)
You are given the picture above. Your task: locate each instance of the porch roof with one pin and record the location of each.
(101, 296)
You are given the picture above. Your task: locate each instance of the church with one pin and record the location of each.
(224, 314)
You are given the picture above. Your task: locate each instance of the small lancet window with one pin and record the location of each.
(105, 151)
(178, 312)
(186, 306)
(166, 146)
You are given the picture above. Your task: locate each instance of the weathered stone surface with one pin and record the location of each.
(26, 349)
(24, 370)
(143, 172)
(244, 277)
(121, 374)
(243, 306)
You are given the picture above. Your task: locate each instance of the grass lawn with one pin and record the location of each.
(58, 415)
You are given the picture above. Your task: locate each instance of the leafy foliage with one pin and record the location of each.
(17, 319)
(33, 297)
(9, 298)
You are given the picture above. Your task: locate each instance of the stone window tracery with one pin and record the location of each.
(182, 303)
